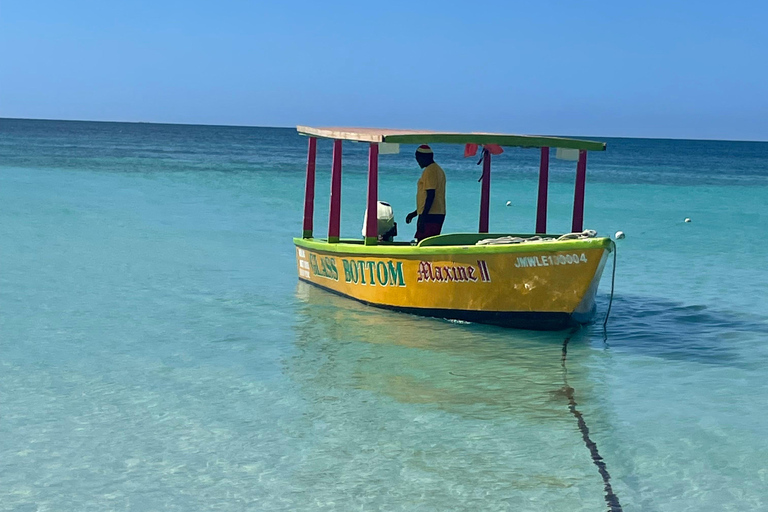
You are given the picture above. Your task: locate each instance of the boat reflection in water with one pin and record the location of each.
(475, 370)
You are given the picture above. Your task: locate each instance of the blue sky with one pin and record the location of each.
(641, 69)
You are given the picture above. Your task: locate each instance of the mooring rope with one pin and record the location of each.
(613, 281)
(506, 240)
(610, 498)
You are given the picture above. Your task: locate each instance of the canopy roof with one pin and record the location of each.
(427, 136)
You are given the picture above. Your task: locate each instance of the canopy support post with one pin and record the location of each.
(541, 209)
(309, 190)
(578, 198)
(334, 214)
(485, 192)
(372, 218)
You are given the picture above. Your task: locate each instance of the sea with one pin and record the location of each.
(157, 351)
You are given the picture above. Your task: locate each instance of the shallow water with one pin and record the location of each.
(157, 351)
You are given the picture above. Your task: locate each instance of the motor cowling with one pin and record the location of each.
(386, 225)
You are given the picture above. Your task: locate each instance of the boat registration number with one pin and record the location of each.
(550, 260)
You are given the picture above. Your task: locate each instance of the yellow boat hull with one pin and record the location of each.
(536, 285)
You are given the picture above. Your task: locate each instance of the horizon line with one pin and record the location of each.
(294, 127)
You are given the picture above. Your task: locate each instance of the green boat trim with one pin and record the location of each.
(449, 244)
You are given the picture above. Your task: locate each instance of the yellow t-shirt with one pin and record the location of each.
(433, 178)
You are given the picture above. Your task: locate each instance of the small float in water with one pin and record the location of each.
(532, 280)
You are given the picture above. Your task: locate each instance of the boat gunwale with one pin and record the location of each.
(357, 248)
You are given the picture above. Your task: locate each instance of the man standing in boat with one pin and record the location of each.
(430, 196)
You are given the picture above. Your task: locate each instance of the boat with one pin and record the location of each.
(538, 280)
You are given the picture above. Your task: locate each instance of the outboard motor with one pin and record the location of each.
(387, 227)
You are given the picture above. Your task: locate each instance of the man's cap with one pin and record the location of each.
(424, 149)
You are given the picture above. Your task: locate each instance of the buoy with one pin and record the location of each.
(619, 235)
(509, 203)
(687, 219)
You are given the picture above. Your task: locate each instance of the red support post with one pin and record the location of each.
(578, 197)
(309, 191)
(334, 214)
(541, 209)
(485, 192)
(372, 218)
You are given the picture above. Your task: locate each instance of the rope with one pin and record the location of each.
(610, 498)
(503, 240)
(613, 281)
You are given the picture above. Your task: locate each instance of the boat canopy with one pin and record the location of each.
(378, 135)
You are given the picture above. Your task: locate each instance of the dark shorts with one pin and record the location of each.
(432, 225)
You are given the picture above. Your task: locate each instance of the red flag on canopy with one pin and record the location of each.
(471, 149)
(494, 149)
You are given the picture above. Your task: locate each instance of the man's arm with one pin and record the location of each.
(427, 206)
(429, 201)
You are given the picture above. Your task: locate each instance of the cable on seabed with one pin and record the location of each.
(610, 497)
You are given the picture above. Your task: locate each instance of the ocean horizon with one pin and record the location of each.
(157, 350)
(292, 127)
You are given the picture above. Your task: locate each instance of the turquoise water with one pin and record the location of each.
(157, 351)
